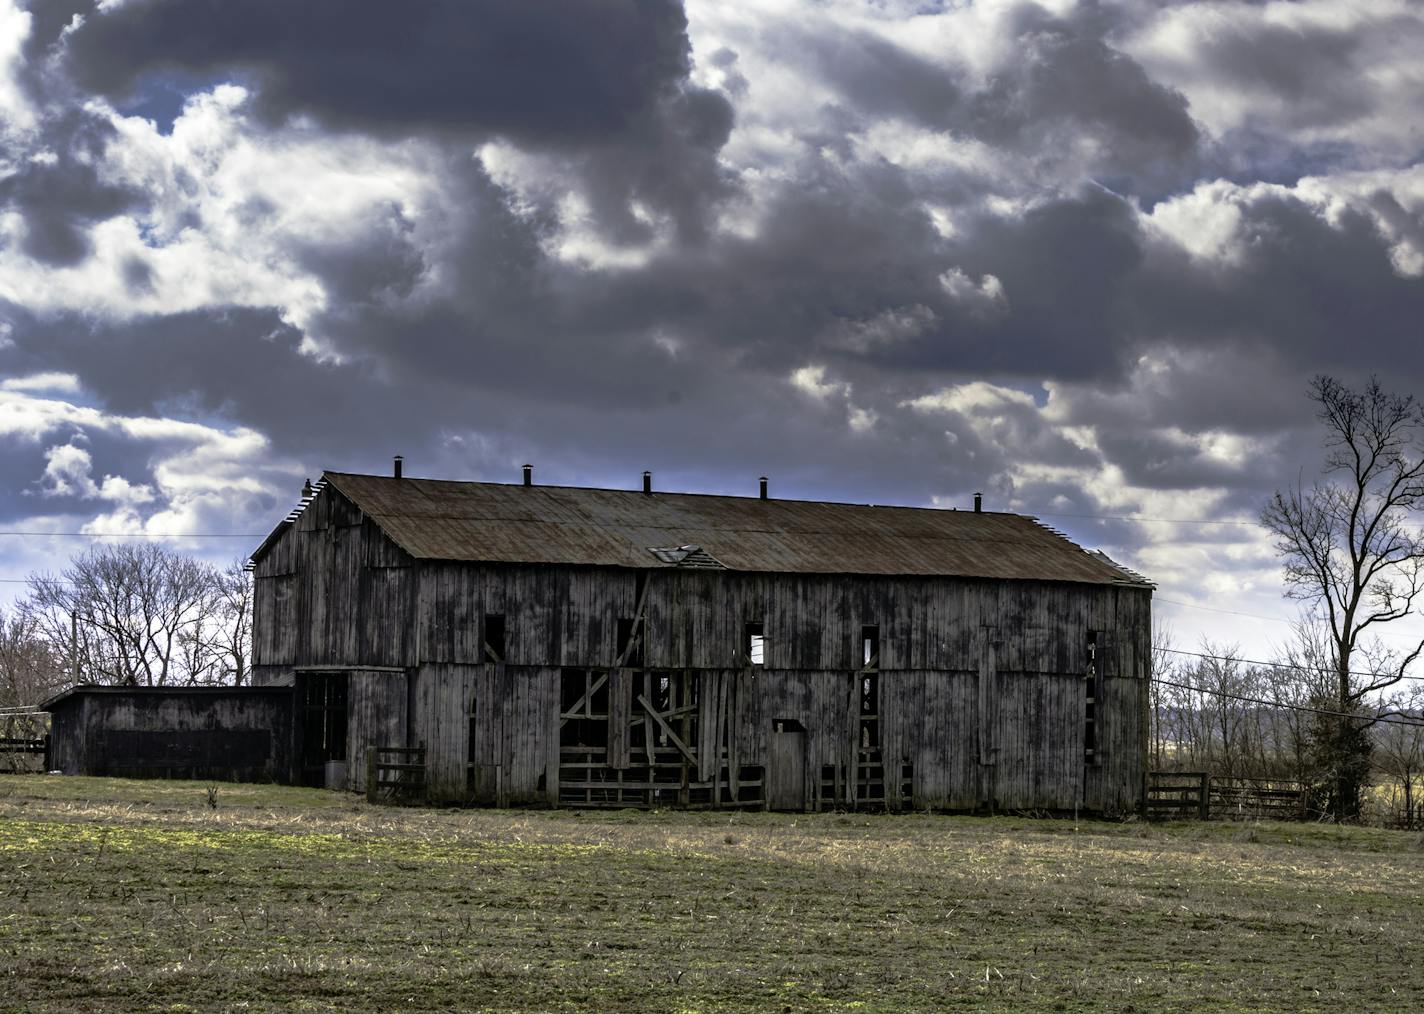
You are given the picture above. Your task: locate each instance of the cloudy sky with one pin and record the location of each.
(1082, 256)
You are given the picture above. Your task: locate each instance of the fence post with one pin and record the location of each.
(1204, 801)
(371, 773)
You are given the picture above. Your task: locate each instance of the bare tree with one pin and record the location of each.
(1349, 554)
(1400, 757)
(1300, 684)
(29, 673)
(29, 670)
(218, 645)
(126, 613)
(1161, 698)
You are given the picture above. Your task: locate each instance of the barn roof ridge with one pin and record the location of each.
(470, 521)
(751, 498)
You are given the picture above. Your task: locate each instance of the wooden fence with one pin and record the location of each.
(401, 780)
(1259, 798)
(1178, 795)
(10, 745)
(1196, 795)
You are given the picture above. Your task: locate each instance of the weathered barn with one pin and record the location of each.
(596, 647)
(239, 734)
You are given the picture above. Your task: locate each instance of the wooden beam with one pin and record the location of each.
(672, 736)
(640, 621)
(583, 701)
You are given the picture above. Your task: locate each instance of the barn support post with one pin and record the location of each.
(1144, 710)
(988, 701)
(851, 738)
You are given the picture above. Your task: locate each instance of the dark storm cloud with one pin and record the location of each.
(481, 351)
(1063, 84)
(1317, 292)
(60, 194)
(602, 82)
(1321, 74)
(529, 69)
(1065, 71)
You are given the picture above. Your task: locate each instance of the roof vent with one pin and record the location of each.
(647, 483)
(978, 503)
(528, 475)
(763, 487)
(692, 557)
(396, 466)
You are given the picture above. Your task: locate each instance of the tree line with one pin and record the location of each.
(1213, 711)
(127, 615)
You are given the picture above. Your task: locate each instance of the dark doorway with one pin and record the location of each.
(321, 716)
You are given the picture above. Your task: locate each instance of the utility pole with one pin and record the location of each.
(74, 646)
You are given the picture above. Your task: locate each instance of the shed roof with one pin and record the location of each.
(498, 523)
(111, 690)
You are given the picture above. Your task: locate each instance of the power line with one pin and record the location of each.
(1217, 609)
(1141, 517)
(1287, 665)
(1383, 720)
(1262, 616)
(140, 535)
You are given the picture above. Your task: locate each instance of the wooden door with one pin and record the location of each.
(786, 772)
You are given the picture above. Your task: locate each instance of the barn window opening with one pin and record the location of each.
(494, 637)
(630, 643)
(1090, 700)
(870, 646)
(869, 711)
(583, 713)
(754, 644)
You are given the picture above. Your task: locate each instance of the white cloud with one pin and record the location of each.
(812, 380)
(66, 472)
(975, 398)
(64, 383)
(983, 299)
(1354, 77)
(16, 114)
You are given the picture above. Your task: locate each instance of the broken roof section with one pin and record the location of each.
(497, 523)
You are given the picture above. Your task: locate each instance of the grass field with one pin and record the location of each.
(140, 896)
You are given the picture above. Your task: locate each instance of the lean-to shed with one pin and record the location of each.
(599, 647)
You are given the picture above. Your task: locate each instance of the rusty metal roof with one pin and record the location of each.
(498, 523)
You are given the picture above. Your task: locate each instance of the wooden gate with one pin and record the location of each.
(1178, 795)
(395, 774)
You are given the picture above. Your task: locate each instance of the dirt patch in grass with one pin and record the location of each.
(140, 895)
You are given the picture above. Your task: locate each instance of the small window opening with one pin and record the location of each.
(754, 644)
(630, 643)
(1090, 699)
(870, 647)
(494, 637)
(869, 711)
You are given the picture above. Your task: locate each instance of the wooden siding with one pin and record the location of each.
(376, 710)
(238, 734)
(982, 689)
(513, 714)
(333, 590)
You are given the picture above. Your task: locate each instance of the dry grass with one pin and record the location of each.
(141, 895)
